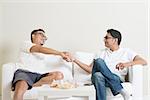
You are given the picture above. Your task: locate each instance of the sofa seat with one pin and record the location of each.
(33, 93)
(134, 86)
(126, 85)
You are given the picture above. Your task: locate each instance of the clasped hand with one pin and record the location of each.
(67, 56)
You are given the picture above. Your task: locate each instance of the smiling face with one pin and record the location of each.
(109, 41)
(39, 38)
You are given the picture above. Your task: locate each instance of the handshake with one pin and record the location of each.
(67, 56)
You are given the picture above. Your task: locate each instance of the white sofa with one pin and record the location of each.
(134, 86)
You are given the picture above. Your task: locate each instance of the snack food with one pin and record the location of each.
(63, 85)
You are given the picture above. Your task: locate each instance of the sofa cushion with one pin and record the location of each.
(81, 75)
(56, 63)
(46, 63)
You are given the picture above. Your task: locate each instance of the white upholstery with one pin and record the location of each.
(134, 87)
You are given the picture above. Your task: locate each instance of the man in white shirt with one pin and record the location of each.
(109, 69)
(31, 64)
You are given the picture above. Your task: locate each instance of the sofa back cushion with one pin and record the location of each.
(56, 63)
(80, 74)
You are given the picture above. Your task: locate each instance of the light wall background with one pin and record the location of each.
(149, 43)
(73, 25)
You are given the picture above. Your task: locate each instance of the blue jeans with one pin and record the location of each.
(102, 77)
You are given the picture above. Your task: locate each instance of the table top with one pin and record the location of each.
(81, 90)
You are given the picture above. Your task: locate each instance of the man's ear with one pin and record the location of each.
(116, 40)
(33, 35)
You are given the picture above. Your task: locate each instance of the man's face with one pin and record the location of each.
(109, 40)
(39, 38)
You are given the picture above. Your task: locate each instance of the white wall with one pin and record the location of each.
(149, 43)
(73, 25)
(0, 29)
(0, 43)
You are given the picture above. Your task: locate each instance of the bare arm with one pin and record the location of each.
(87, 68)
(136, 60)
(45, 50)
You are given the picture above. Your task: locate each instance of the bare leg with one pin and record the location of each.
(20, 89)
(49, 78)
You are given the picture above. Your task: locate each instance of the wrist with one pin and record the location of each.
(73, 60)
(131, 64)
(60, 53)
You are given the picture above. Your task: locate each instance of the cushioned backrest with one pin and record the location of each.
(80, 74)
(56, 63)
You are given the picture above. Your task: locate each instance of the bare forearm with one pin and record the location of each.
(139, 60)
(87, 68)
(44, 50)
(49, 51)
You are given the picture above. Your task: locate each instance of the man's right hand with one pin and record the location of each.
(65, 56)
(68, 57)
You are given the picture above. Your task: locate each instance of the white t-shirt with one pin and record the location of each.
(31, 61)
(111, 59)
(42, 63)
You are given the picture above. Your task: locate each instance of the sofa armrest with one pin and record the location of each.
(136, 78)
(7, 76)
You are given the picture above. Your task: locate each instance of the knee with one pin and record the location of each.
(99, 60)
(117, 78)
(58, 75)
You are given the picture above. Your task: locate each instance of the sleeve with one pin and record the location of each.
(26, 46)
(131, 54)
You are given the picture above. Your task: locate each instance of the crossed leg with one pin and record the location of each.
(21, 86)
(49, 78)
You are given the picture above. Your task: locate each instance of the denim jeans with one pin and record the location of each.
(102, 77)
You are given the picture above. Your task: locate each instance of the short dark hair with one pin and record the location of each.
(35, 31)
(115, 34)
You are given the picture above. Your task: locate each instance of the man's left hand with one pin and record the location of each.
(122, 65)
